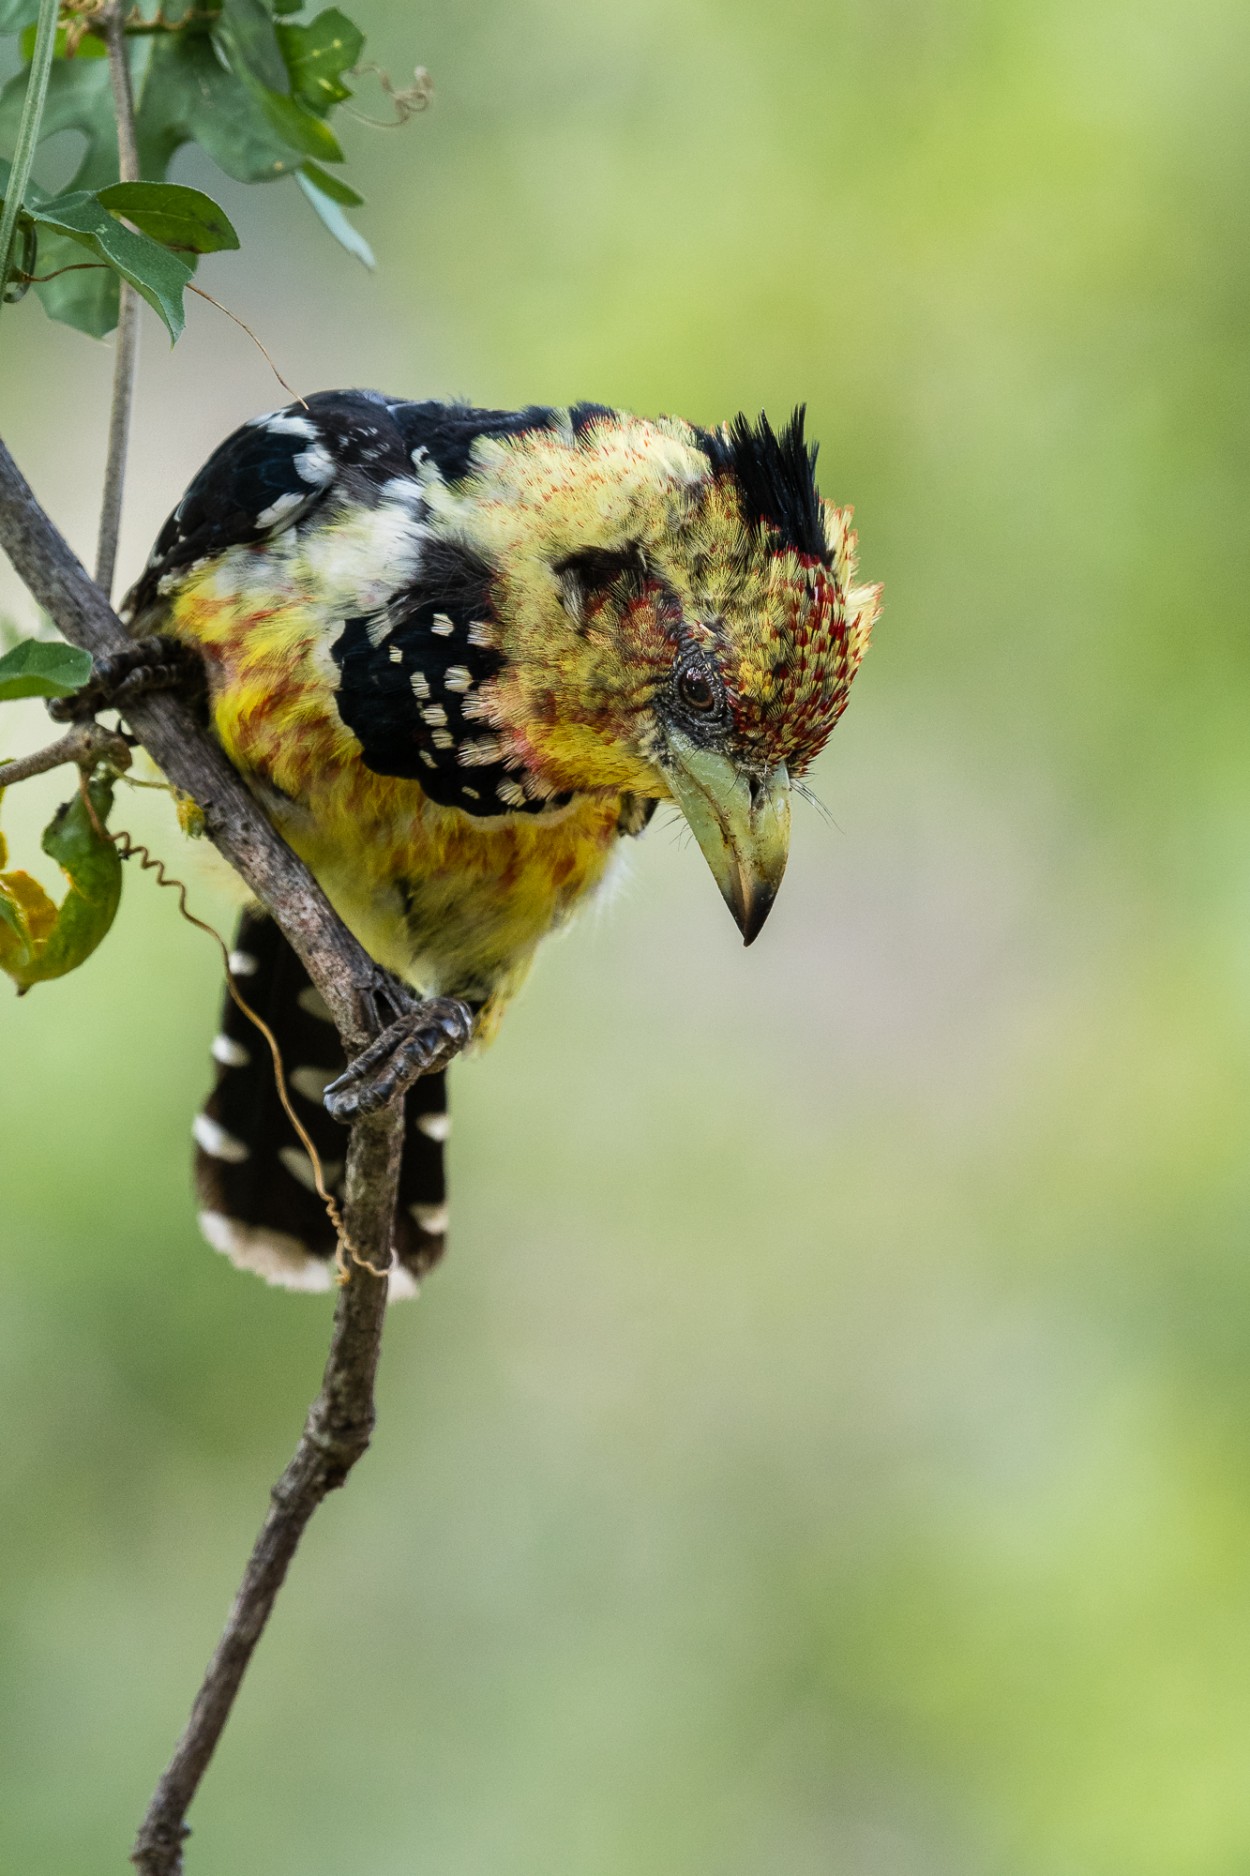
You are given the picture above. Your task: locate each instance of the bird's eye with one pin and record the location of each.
(696, 690)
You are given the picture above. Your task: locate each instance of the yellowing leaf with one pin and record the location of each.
(38, 939)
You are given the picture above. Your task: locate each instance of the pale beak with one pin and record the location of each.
(741, 822)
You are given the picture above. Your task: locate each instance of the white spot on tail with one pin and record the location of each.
(212, 1137)
(243, 964)
(229, 1053)
(311, 1082)
(271, 1254)
(300, 1167)
(431, 1218)
(283, 1260)
(441, 625)
(401, 1284)
(312, 1003)
(434, 1126)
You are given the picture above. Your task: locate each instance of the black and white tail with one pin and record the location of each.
(254, 1181)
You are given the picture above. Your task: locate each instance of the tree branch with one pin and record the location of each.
(340, 1420)
(335, 1435)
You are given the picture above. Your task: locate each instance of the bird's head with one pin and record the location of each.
(678, 617)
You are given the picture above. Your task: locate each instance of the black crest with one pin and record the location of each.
(776, 478)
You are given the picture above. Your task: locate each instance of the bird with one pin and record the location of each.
(460, 655)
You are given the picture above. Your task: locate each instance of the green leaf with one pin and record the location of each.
(190, 97)
(38, 667)
(300, 128)
(86, 297)
(250, 40)
(38, 940)
(335, 220)
(79, 98)
(176, 216)
(88, 47)
(156, 273)
(333, 186)
(317, 55)
(15, 14)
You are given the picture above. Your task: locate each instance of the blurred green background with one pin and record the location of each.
(827, 1448)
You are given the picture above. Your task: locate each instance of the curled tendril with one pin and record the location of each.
(406, 100)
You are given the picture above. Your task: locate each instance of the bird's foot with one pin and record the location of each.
(424, 1037)
(150, 664)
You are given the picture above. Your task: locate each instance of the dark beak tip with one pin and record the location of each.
(751, 917)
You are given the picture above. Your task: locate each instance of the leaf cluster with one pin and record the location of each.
(169, 227)
(250, 82)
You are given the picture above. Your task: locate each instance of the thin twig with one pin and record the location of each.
(86, 743)
(126, 357)
(336, 1433)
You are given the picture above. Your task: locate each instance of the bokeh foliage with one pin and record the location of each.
(244, 81)
(825, 1448)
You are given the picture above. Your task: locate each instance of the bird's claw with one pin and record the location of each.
(149, 664)
(423, 1040)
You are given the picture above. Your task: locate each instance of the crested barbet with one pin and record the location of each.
(457, 655)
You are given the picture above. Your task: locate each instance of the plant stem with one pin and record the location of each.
(27, 132)
(126, 357)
